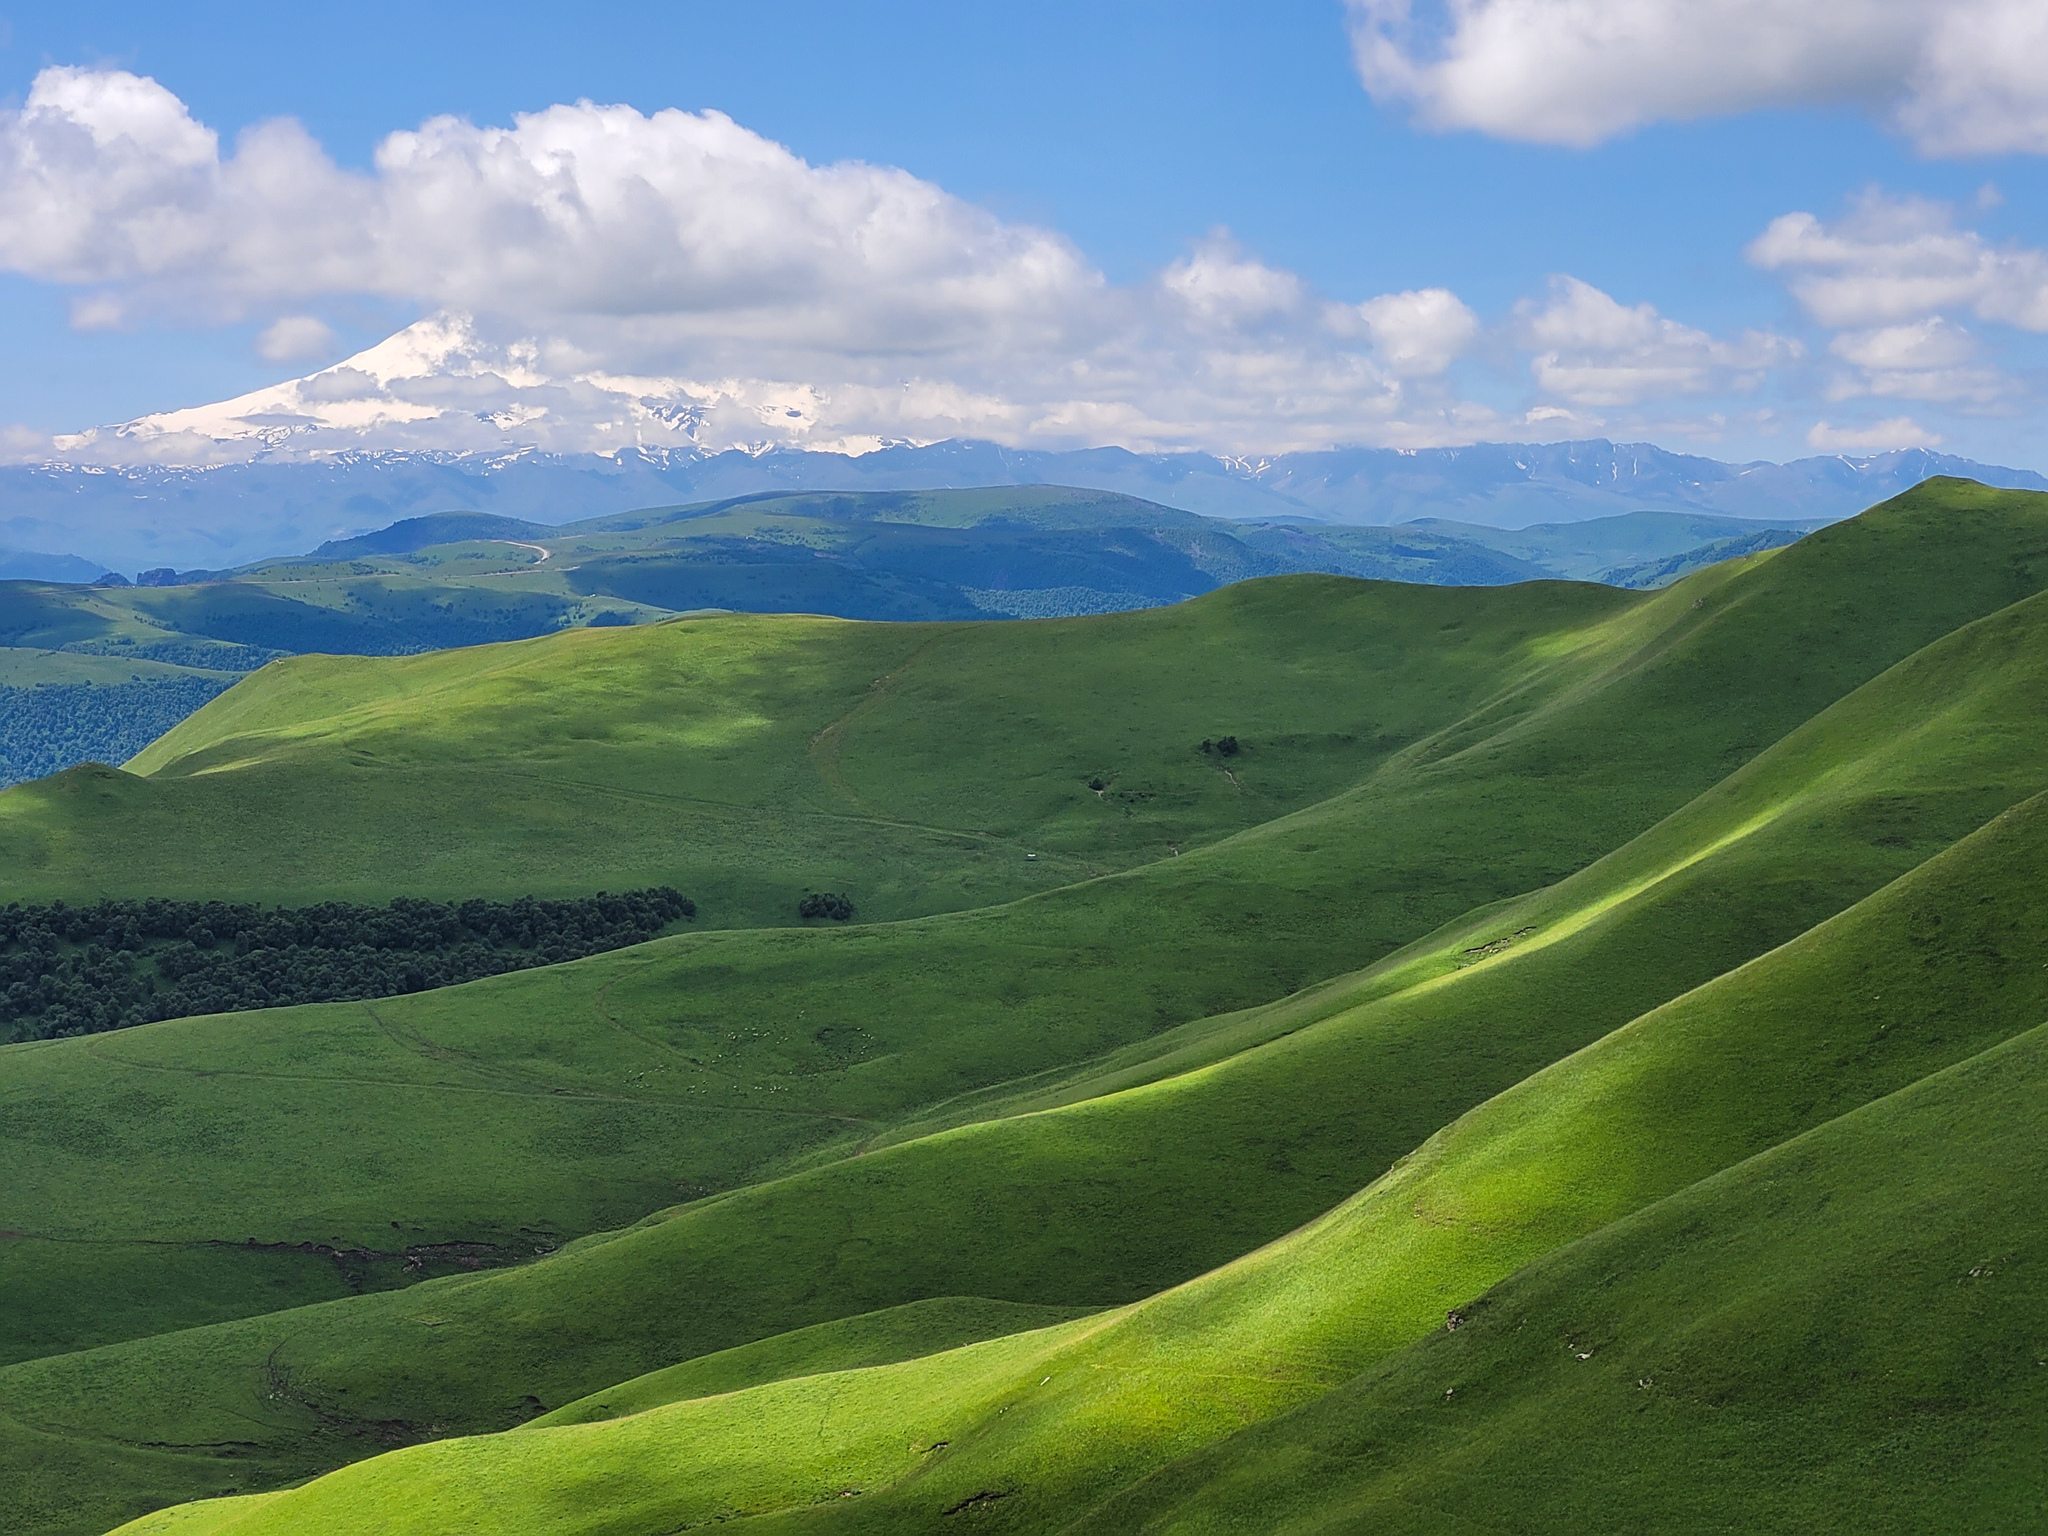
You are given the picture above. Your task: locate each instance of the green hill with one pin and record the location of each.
(458, 579)
(1654, 1109)
(1519, 917)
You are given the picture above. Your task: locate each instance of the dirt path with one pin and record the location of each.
(539, 549)
(826, 742)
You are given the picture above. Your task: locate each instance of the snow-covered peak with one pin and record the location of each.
(440, 385)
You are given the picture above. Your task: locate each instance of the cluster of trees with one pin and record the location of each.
(76, 970)
(1226, 746)
(825, 904)
(223, 657)
(59, 725)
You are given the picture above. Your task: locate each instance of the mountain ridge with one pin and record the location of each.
(136, 516)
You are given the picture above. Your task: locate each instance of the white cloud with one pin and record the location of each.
(294, 338)
(1932, 359)
(1958, 76)
(594, 278)
(577, 210)
(718, 269)
(1898, 432)
(1592, 350)
(1222, 289)
(1417, 334)
(1898, 259)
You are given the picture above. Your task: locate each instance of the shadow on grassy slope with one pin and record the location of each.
(521, 1113)
(1117, 1196)
(1055, 1422)
(1841, 1334)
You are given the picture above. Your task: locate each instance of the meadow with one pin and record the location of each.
(1572, 1012)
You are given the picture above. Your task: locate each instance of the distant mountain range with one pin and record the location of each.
(132, 518)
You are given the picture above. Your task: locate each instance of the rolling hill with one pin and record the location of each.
(158, 650)
(1645, 984)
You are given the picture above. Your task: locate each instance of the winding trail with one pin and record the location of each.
(824, 746)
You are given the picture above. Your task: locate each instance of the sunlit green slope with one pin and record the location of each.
(1843, 1334)
(1707, 1302)
(522, 1111)
(1112, 1198)
(745, 759)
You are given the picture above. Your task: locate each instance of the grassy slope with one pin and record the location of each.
(747, 759)
(1042, 1427)
(664, 748)
(1087, 1202)
(428, 1112)
(1715, 656)
(1844, 1333)
(875, 1338)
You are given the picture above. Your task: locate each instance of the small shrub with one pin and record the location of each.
(825, 904)
(1227, 746)
(1097, 785)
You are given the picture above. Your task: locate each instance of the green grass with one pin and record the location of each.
(526, 1107)
(1092, 1204)
(1843, 1333)
(907, 1332)
(1070, 1100)
(744, 759)
(1058, 1421)
(21, 668)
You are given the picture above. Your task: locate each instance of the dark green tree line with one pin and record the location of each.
(75, 970)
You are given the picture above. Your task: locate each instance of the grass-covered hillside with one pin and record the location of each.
(1579, 1045)
(95, 673)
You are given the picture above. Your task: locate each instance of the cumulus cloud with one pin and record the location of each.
(1878, 436)
(1592, 350)
(1417, 334)
(294, 338)
(594, 278)
(1223, 289)
(1893, 259)
(1932, 359)
(1957, 76)
(731, 285)
(575, 210)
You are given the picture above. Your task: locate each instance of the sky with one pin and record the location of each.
(1747, 229)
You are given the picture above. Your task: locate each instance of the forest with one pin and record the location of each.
(51, 727)
(79, 970)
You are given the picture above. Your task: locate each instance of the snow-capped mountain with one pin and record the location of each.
(439, 386)
(441, 418)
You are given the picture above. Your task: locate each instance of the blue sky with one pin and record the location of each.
(1135, 132)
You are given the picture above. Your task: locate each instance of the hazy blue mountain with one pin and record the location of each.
(134, 518)
(28, 565)
(1603, 548)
